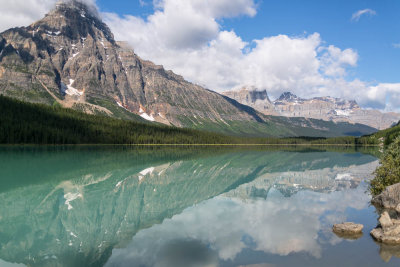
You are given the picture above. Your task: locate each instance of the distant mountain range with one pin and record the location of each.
(323, 108)
(70, 57)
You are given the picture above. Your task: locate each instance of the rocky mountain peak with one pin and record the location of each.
(252, 96)
(73, 19)
(289, 97)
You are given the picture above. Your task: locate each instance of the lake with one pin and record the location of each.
(186, 206)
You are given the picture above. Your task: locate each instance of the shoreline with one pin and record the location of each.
(289, 145)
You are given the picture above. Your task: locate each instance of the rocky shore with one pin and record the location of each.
(388, 205)
(388, 229)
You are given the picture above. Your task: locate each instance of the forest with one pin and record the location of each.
(27, 123)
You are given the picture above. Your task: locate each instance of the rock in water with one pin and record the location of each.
(381, 236)
(388, 231)
(348, 230)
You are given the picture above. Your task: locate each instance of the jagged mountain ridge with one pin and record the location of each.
(322, 108)
(71, 57)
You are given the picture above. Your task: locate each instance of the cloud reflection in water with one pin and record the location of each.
(226, 225)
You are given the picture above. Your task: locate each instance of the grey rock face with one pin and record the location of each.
(258, 100)
(335, 109)
(388, 199)
(323, 108)
(289, 97)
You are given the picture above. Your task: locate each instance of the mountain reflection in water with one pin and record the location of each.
(176, 207)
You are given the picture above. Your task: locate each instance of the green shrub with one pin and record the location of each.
(389, 171)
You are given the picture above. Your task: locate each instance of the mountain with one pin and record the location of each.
(321, 108)
(289, 97)
(251, 97)
(70, 57)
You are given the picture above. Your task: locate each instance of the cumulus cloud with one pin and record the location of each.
(22, 12)
(357, 15)
(187, 37)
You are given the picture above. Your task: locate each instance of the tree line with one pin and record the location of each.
(27, 123)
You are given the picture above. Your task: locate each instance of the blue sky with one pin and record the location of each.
(373, 37)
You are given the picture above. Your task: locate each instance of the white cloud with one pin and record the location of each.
(396, 45)
(17, 13)
(357, 15)
(229, 225)
(335, 60)
(186, 36)
(22, 12)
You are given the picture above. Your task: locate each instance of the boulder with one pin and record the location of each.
(385, 220)
(392, 230)
(385, 238)
(388, 231)
(389, 198)
(398, 208)
(348, 230)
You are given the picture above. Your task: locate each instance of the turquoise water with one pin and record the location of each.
(121, 206)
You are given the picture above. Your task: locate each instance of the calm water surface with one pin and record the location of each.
(119, 206)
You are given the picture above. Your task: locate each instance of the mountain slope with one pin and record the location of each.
(26, 123)
(383, 137)
(322, 108)
(70, 57)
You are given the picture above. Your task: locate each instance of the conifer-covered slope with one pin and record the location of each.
(27, 123)
(70, 57)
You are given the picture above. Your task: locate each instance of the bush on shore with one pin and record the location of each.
(388, 173)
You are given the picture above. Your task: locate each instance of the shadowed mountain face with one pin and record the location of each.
(79, 204)
(70, 57)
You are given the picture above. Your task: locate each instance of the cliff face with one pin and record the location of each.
(258, 100)
(322, 108)
(70, 56)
